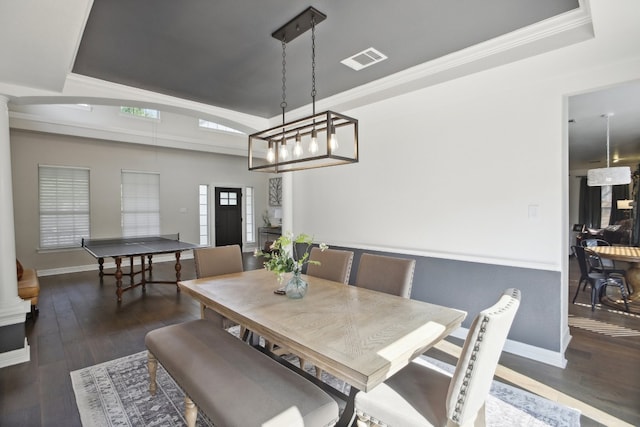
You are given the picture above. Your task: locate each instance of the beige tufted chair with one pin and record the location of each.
(334, 264)
(419, 396)
(217, 261)
(386, 274)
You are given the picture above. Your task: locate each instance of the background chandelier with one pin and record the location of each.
(608, 176)
(320, 140)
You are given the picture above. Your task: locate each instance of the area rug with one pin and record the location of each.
(116, 393)
(613, 298)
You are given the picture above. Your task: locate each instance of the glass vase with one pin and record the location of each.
(296, 287)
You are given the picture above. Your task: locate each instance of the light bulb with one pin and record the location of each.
(297, 149)
(284, 153)
(333, 139)
(313, 145)
(271, 156)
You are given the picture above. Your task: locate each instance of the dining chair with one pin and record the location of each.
(599, 277)
(334, 264)
(216, 261)
(386, 274)
(588, 243)
(421, 396)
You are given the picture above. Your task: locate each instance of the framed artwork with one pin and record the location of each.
(275, 191)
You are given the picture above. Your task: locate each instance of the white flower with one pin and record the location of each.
(323, 247)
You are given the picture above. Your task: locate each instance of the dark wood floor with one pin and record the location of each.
(80, 325)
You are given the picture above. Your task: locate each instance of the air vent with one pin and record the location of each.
(364, 59)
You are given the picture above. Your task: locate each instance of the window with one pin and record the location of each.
(204, 214)
(64, 206)
(216, 126)
(140, 208)
(228, 198)
(249, 215)
(148, 113)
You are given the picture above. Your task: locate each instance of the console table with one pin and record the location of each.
(266, 234)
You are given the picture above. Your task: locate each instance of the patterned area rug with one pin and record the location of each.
(612, 298)
(115, 393)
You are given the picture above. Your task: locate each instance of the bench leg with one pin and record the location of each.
(152, 365)
(190, 411)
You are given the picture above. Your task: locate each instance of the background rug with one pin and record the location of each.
(613, 299)
(116, 393)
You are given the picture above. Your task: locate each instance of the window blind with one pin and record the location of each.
(64, 206)
(140, 208)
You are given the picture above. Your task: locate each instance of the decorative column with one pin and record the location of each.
(14, 348)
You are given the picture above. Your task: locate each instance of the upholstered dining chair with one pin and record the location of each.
(216, 261)
(599, 277)
(420, 396)
(386, 274)
(334, 264)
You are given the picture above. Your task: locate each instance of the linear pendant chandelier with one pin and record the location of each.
(319, 140)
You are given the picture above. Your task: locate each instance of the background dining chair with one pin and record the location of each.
(420, 396)
(599, 277)
(217, 261)
(386, 274)
(334, 264)
(588, 243)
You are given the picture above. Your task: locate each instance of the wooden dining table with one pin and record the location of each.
(630, 254)
(357, 335)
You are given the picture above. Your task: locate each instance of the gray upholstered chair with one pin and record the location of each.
(420, 396)
(334, 264)
(386, 274)
(217, 261)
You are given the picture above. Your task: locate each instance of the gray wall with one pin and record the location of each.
(472, 286)
(181, 172)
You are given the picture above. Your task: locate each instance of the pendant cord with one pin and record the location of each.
(608, 117)
(313, 63)
(283, 104)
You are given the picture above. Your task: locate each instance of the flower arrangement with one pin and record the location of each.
(284, 256)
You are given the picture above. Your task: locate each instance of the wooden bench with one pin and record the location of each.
(28, 286)
(233, 383)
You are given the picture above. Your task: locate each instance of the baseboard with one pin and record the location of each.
(14, 357)
(528, 351)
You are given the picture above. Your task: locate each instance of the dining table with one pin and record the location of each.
(630, 254)
(359, 336)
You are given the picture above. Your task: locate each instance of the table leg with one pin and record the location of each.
(178, 268)
(633, 276)
(149, 258)
(101, 267)
(349, 414)
(132, 274)
(143, 280)
(119, 278)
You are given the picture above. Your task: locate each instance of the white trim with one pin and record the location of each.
(14, 357)
(14, 312)
(508, 262)
(538, 354)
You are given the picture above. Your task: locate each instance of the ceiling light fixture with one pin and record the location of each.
(315, 137)
(608, 176)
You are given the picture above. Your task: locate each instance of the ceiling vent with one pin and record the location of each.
(364, 59)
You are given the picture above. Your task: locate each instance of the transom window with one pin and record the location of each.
(216, 126)
(147, 113)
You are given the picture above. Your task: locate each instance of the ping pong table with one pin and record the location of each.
(131, 247)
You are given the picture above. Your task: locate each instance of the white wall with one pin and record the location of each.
(453, 170)
(180, 171)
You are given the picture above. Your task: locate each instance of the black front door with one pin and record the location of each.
(228, 216)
